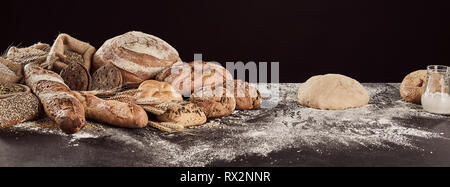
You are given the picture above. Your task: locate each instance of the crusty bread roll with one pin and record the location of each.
(186, 78)
(217, 102)
(161, 90)
(413, 85)
(247, 97)
(60, 104)
(139, 56)
(115, 113)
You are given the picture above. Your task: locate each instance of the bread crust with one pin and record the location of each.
(139, 56)
(413, 85)
(58, 101)
(185, 113)
(188, 77)
(247, 97)
(156, 89)
(217, 102)
(115, 113)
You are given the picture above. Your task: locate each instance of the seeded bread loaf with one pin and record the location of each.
(183, 112)
(217, 102)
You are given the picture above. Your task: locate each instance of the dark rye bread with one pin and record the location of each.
(76, 76)
(107, 77)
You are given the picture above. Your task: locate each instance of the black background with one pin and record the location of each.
(372, 41)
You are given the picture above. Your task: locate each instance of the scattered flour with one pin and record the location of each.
(381, 124)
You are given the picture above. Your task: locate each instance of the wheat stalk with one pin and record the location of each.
(153, 110)
(130, 92)
(148, 101)
(160, 127)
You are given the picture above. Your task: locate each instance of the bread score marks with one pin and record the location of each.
(119, 109)
(51, 97)
(140, 42)
(134, 68)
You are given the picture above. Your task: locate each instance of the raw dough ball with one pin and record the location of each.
(413, 86)
(332, 92)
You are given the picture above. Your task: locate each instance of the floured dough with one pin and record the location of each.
(332, 92)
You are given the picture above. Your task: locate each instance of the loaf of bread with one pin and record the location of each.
(188, 77)
(161, 90)
(217, 102)
(139, 56)
(59, 103)
(247, 97)
(115, 113)
(182, 112)
(413, 85)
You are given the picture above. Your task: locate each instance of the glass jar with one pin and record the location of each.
(436, 98)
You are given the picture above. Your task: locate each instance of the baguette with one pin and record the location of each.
(115, 113)
(60, 104)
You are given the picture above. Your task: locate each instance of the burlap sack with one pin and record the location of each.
(57, 60)
(10, 72)
(36, 53)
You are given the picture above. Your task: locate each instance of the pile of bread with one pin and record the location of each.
(68, 76)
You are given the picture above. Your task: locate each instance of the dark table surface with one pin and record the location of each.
(387, 132)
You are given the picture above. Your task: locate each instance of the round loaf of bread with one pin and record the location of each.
(217, 102)
(188, 77)
(247, 97)
(160, 90)
(139, 56)
(413, 85)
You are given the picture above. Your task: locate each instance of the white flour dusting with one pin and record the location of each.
(381, 124)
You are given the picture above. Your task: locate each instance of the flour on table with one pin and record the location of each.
(380, 124)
